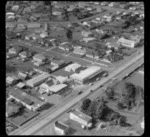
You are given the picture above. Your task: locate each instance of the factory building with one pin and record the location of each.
(83, 119)
(86, 74)
(37, 80)
(73, 67)
(61, 128)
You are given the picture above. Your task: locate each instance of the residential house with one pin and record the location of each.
(39, 58)
(65, 46)
(25, 54)
(45, 86)
(80, 51)
(57, 63)
(12, 51)
(85, 33)
(91, 53)
(22, 75)
(88, 39)
(12, 80)
(34, 25)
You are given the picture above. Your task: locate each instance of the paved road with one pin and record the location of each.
(46, 121)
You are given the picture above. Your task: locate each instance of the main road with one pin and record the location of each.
(58, 112)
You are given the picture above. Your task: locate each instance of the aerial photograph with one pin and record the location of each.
(74, 68)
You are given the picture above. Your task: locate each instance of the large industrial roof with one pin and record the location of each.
(86, 73)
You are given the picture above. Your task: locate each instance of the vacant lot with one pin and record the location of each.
(137, 79)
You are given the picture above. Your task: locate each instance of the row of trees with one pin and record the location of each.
(129, 96)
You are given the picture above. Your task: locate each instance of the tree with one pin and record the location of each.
(10, 69)
(92, 108)
(85, 105)
(110, 93)
(130, 90)
(120, 105)
(69, 34)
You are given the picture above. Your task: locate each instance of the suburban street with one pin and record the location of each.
(138, 60)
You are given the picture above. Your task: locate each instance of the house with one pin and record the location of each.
(66, 47)
(57, 63)
(33, 25)
(88, 39)
(85, 33)
(39, 58)
(57, 13)
(12, 51)
(83, 119)
(22, 75)
(61, 128)
(15, 8)
(25, 54)
(80, 51)
(91, 53)
(12, 80)
(20, 85)
(127, 43)
(45, 86)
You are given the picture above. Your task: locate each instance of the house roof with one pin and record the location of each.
(126, 41)
(79, 50)
(39, 56)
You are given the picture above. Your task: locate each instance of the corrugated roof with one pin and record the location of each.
(22, 96)
(38, 78)
(86, 73)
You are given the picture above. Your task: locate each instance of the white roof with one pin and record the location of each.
(56, 88)
(38, 78)
(125, 41)
(73, 66)
(61, 78)
(86, 73)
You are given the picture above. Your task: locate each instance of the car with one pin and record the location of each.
(80, 92)
(90, 84)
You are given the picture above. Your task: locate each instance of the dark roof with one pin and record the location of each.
(22, 96)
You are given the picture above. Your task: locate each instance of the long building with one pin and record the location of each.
(37, 80)
(86, 74)
(81, 118)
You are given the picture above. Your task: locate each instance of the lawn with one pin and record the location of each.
(137, 79)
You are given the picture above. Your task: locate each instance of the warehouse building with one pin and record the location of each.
(37, 80)
(86, 74)
(127, 43)
(83, 119)
(61, 128)
(58, 88)
(73, 67)
(28, 101)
